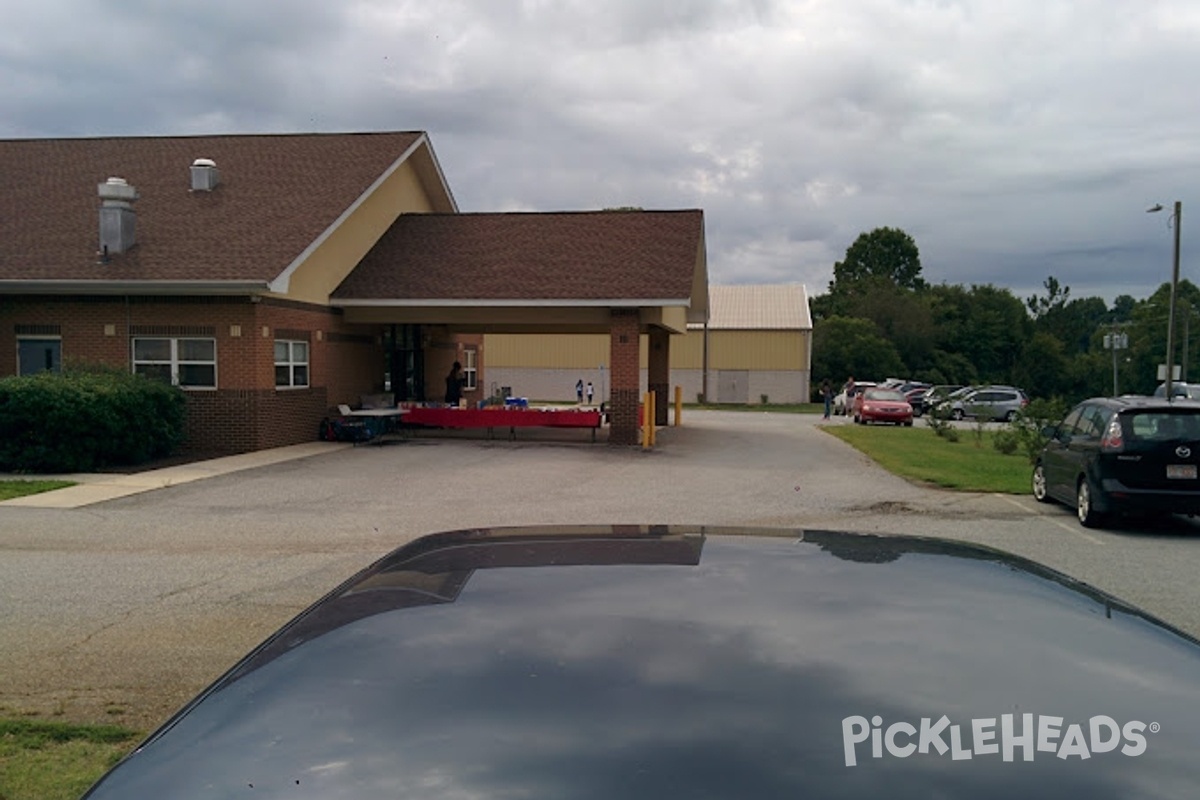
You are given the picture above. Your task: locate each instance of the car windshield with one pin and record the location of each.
(884, 394)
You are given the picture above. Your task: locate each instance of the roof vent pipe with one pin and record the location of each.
(117, 217)
(205, 175)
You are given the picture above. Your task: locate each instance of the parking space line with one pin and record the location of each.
(1075, 529)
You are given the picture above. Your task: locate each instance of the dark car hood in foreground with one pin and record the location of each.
(626, 662)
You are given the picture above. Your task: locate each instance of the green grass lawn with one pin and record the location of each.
(787, 408)
(917, 454)
(55, 760)
(11, 489)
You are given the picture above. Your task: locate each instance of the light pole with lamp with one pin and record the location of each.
(1178, 217)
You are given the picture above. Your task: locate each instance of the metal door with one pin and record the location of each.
(733, 386)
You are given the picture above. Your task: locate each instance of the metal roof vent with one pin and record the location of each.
(117, 217)
(205, 175)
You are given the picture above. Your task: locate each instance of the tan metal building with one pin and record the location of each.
(755, 347)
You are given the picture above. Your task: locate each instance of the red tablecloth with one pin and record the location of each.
(500, 418)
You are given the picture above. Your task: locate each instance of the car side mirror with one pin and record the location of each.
(1050, 432)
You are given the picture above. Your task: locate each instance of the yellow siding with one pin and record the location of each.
(546, 351)
(753, 350)
(687, 351)
(334, 258)
(758, 350)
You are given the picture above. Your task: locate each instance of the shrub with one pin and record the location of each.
(1006, 441)
(977, 429)
(765, 399)
(1028, 426)
(938, 419)
(86, 418)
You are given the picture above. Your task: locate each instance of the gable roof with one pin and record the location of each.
(758, 307)
(277, 195)
(565, 258)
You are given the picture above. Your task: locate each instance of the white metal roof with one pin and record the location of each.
(758, 307)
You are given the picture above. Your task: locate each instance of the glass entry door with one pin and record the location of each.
(404, 362)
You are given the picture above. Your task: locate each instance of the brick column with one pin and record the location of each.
(623, 362)
(659, 373)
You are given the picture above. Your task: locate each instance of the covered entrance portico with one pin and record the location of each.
(408, 327)
(619, 273)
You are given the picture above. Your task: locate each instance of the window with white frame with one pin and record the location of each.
(189, 363)
(291, 364)
(469, 369)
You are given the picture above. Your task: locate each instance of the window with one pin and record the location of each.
(1070, 424)
(469, 370)
(38, 355)
(1093, 422)
(291, 364)
(190, 363)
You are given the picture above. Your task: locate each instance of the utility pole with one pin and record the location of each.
(1115, 341)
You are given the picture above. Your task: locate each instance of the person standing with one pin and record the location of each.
(827, 396)
(579, 391)
(848, 407)
(590, 392)
(454, 384)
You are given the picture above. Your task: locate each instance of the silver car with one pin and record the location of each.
(999, 403)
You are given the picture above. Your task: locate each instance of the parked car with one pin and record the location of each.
(922, 402)
(1112, 455)
(1190, 391)
(843, 405)
(914, 393)
(998, 403)
(635, 662)
(882, 405)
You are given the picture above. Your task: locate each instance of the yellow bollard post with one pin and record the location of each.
(678, 406)
(647, 416)
(652, 419)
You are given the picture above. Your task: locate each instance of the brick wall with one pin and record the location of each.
(624, 363)
(245, 412)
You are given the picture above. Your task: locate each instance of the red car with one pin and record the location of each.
(882, 405)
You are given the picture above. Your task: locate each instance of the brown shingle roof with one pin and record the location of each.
(277, 194)
(570, 256)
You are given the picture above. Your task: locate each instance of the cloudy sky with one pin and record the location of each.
(1013, 140)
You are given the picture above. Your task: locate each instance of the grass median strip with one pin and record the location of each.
(42, 760)
(971, 464)
(11, 489)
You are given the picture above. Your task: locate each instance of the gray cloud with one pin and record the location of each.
(1012, 140)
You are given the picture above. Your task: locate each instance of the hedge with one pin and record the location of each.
(83, 419)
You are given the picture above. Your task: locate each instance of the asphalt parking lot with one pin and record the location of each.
(121, 609)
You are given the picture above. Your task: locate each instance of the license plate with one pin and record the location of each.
(1183, 471)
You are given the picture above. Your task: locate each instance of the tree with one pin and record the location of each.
(986, 325)
(843, 346)
(1056, 297)
(885, 255)
(1042, 369)
(1122, 307)
(902, 318)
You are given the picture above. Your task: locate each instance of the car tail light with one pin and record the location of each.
(1112, 442)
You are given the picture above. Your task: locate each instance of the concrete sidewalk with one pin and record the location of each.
(91, 487)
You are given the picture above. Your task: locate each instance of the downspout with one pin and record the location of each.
(704, 380)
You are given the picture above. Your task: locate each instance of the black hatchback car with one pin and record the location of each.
(665, 662)
(1112, 455)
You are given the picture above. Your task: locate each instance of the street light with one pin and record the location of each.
(1178, 217)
